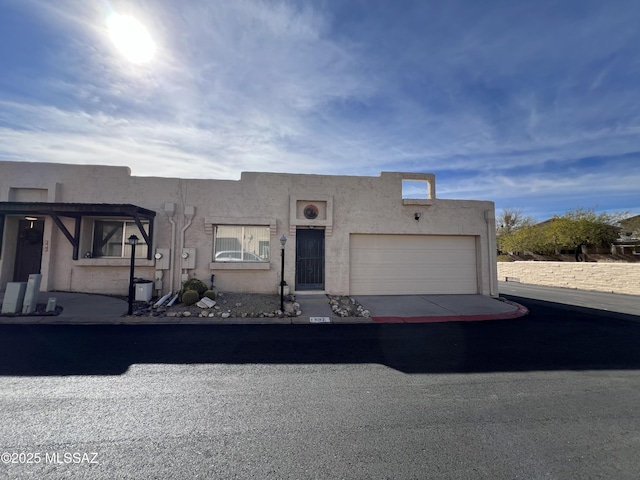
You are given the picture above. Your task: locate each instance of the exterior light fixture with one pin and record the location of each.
(133, 241)
(417, 216)
(283, 241)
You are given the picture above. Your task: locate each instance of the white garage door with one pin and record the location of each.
(412, 264)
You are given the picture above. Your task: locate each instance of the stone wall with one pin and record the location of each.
(602, 277)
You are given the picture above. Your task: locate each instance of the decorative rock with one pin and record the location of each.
(291, 307)
(225, 315)
(298, 313)
(238, 304)
(366, 313)
(171, 314)
(212, 315)
(186, 314)
(206, 303)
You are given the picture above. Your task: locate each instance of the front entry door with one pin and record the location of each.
(28, 249)
(309, 259)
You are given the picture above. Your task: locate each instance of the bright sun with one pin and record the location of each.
(131, 38)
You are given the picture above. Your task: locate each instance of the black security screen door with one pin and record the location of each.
(309, 259)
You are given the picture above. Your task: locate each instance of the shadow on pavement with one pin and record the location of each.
(552, 337)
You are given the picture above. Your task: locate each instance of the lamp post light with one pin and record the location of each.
(283, 241)
(133, 241)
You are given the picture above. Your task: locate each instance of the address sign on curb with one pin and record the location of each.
(319, 320)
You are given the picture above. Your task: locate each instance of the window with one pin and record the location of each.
(110, 238)
(234, 243)
(415, 189)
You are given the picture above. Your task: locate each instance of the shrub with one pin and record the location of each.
(190, 297)
(210, 294)
(194, 284)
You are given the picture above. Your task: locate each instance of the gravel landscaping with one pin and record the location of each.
(249, 305)
(235, 305)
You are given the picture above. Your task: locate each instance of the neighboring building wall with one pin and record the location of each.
(352, 205)
(602, 277)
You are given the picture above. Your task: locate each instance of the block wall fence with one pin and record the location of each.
(602, 277)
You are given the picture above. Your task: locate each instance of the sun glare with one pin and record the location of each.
(131, 38)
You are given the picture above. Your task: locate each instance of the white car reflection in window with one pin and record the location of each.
(237, 256)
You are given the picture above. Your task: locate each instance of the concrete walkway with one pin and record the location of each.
(438, 308)
(81, 308)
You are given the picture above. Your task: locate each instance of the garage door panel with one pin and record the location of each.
(412, 264)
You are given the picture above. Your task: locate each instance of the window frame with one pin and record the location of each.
(210, 222)
(125, 248)
(242, 251)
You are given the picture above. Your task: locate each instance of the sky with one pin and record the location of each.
(534, 105)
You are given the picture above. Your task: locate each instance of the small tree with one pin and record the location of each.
(528, 238)
(581, 227)
(512, 230)
(510, 220)
(571, 231)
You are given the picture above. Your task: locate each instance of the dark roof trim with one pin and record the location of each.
(75, 210)
(79, 210)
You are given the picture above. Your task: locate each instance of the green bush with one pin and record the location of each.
(190, 297)
(504, 258)
(194, 284)
(210, 294)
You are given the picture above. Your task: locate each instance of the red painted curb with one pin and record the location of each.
(520, 312)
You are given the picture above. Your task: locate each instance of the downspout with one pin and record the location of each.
(170, 210)
(490, 218)
(189, 213)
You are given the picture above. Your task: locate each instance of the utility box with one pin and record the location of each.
(163, 258)
(144, 292)
(188, 258)
(14, 297)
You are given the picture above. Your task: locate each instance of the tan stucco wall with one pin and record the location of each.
(359, 205)
(602, 277)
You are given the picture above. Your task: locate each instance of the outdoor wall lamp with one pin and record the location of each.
(283, 241)
(417, 216)
(133, 241)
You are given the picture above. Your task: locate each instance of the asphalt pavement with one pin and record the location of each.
(609, 302)
(553, 394)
